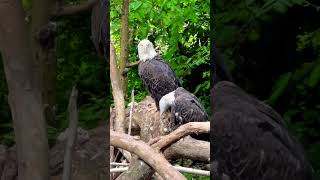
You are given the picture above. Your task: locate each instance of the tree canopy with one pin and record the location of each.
(180, 33)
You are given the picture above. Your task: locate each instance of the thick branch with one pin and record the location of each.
(117, 92)
(146, 153)
(64, 10)
(72, 134)
(124, 54)
(182, 131)
(189, 148)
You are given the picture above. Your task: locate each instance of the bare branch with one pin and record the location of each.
(130, 65)
(146, 153)
(182, 131)
(117, 92)
(189, 148)
(179, 168)
(72, 134)
(192, 171)
(73, 9)
(124, 53)
(131, 109)
(119, 164)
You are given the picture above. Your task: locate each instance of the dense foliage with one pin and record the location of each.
(273, 51)
(180, 32)
(78, 63)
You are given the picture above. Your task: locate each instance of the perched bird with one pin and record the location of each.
(155, 73)
(185, 107)
(249, 140)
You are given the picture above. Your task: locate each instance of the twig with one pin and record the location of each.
(130, 65)
(72, 134)
(192, 171)
(179, 168)
(182, 131)
(147, 154)
(308, 3)
(119, 164)
(131, 109)
(73, 9)
(121, 169)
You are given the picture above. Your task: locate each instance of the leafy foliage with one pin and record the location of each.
(180, 32)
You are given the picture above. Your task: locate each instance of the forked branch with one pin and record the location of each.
(147, 154)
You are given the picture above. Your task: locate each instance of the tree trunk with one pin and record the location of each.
(25, 98)
(124, 45)
(42, 36)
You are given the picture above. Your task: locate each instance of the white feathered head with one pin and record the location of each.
(146, 50)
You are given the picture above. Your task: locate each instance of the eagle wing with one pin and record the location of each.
(158, 78)
(188, 108)
(248, 143)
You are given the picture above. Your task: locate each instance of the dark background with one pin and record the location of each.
(272, 50)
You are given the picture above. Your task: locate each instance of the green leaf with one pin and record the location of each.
(279, 87)
(314, 76)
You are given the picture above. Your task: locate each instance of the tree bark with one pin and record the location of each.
(72, 135)
(22, 74)
(124, 44)
(117, 93)
(42, 36)
(147, 153)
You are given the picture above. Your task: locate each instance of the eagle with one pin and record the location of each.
(249, 139)
(156, 74)
(185, 107)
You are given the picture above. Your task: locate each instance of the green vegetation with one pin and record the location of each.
(180, 32)
(273, 51)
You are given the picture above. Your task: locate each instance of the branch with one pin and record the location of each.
(179, 168)
(66, 10)
(146, 153)
(189, 148)
(124, 54)
(129, 65)
(308, 3)
(182, 131)
(131, 109)
(117, 92)
(72, 134)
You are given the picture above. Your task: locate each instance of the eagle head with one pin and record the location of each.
(166, 101)
(146, 50)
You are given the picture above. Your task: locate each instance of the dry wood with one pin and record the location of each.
(179, 168)
(189, 148)
(146, 153)
(72, 134)
(117, 92)
(131, 109)
(119, 164)
(182, 131)
(146, 117)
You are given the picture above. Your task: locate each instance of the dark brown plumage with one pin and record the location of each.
(187, 108)
(249, 140)
(158, 78)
